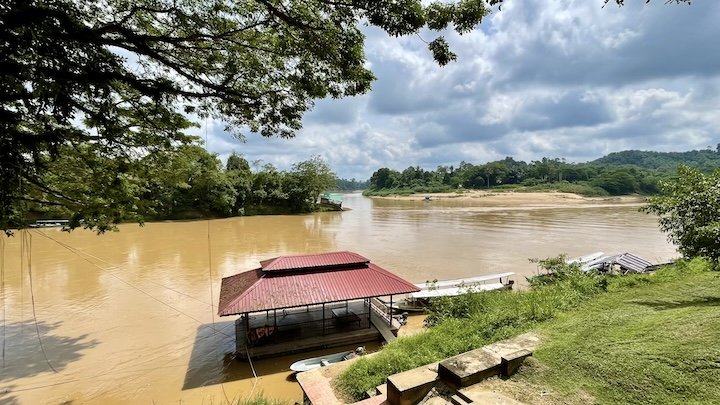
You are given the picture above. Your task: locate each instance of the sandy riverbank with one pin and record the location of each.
(510, 198)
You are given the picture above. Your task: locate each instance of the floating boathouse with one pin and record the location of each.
(298, 303)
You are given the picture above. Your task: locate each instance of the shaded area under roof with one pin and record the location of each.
(260, 290)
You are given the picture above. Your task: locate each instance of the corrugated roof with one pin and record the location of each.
(302, 262)
(258, 290)
(631, 262)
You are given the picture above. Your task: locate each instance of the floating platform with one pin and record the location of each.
(305, 330)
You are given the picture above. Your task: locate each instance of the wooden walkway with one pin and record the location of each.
(384, 329)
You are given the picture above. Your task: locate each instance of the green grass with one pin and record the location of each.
(651, 340)
(630, 339)
(467, 322)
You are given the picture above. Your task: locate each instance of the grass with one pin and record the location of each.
(651, 340)
(632, 339)
(467, 322)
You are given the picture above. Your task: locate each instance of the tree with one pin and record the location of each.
(187, 182)
(315, 176)
(238, 171)
(688, 211)
(237, 162)
(384, 178)
(120, 74)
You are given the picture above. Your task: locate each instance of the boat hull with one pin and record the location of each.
(317, 362)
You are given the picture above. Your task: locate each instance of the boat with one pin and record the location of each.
(322, 361)
(417, 301)
(586, 259)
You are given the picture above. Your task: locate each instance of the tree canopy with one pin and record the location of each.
(689, 212)
(117, 79)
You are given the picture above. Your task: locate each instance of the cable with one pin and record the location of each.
(28, 246)
(78, 253)
(113, 266)
(212, 300)
(2, 293)
(252, 367)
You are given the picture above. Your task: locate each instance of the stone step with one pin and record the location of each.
(469, 368)
(409, 387)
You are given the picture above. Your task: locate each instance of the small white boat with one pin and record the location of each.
(586, 259)
(322, 361)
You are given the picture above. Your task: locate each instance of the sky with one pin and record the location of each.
(560, 79)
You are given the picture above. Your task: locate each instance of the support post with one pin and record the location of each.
(247, 327)
(323, 318)
(390, 312)
(369, 302)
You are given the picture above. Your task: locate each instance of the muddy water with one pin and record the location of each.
(128, 317)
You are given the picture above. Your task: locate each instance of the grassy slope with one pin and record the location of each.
(657, 342)
(649, 339)
(488, 317)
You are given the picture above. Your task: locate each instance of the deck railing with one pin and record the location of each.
(380, 312)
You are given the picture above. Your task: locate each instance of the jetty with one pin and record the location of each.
(298, 303)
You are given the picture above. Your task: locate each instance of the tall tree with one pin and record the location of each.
(120, 74)
(312, 177)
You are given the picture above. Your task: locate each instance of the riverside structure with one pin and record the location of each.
(297, 303)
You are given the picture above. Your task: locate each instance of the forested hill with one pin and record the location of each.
(628, 172)
(705, 160)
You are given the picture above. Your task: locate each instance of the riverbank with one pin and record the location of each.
(634, 339)
(513, 198)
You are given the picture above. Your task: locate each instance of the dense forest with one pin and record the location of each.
(620, 173)
(186, 181)
(181, 182)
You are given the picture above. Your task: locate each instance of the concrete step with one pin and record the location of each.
(460, 399)
(469, 368)
(379, 390)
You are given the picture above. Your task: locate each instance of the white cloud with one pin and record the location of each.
(565, 78)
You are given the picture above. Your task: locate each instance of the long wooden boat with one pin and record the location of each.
(417, 301)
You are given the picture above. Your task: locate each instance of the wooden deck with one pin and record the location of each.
(282, 332)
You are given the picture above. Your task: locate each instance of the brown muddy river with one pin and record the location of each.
(128, 317)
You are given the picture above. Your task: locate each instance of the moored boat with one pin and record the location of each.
(322, 361)
(417, 301)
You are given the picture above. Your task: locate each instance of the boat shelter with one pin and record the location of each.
(297, 303)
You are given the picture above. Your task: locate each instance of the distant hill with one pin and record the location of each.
(705, 159)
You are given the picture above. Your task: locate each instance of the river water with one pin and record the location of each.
(128, 317)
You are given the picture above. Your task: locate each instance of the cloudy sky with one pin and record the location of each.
(562, 78)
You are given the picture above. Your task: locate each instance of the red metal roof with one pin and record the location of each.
(303, 262)
(258, 290)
